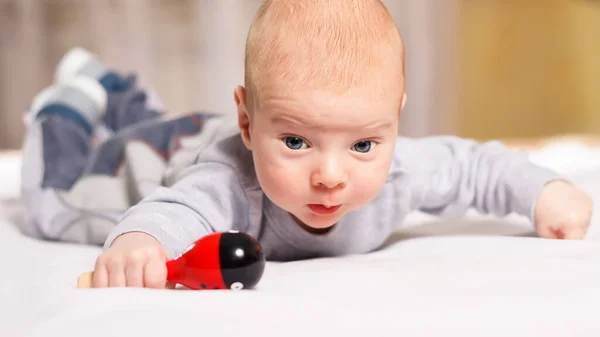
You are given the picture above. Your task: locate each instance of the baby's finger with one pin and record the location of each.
(155, 274)
(134, 273)
(547, 232)
(100, 277)
(116, 275)
(574, 233)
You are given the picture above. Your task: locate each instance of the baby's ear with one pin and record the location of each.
(239, 95)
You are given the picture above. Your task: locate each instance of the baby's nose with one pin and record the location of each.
(331, 174)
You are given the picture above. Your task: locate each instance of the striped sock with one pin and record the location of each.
(80, 62)
(80, 99)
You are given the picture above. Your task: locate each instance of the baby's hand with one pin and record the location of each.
(562, 212)
(134, 260)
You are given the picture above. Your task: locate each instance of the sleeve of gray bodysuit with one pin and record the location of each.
(207, 198)
(448, 175)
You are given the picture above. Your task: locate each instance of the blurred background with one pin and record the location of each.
(483, 69)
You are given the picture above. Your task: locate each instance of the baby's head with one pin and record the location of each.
(323, 93)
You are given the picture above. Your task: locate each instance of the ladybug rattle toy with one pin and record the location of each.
(223, 260)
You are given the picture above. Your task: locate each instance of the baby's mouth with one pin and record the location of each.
(322, 209)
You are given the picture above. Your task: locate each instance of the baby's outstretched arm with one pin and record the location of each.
(208, 198)
(448, 175)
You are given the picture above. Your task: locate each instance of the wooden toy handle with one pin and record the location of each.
(86, 280)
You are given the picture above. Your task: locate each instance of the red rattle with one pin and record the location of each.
(224, 260)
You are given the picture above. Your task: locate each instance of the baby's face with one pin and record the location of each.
(320, 156)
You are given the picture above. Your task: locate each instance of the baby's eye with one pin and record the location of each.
(363, 146)
(294, 143)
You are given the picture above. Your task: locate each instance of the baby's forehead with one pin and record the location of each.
(374, 87)
(275, 100)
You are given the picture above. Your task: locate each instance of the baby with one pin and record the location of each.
(313, 167)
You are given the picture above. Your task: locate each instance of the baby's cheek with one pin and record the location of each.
(279, 184)
(369, 182)
(367, 194)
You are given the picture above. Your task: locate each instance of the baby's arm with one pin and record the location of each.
(448, 175)
(209, 198)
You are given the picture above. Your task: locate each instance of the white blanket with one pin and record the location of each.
(464, 277)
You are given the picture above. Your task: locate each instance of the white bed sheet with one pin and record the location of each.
(477, 276)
